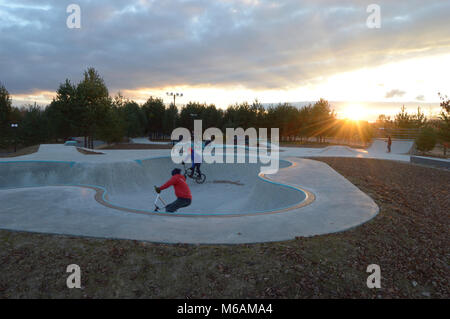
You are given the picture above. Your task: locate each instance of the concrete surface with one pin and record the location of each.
(71, 210)
(145, 140)
(55, 152)
(431, 161)
(397, 147)
(31, 202)
(130, 184)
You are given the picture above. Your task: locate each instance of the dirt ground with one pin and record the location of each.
(409, 240)
(319, 145)
(20, 151)
(136, 146)
(437, 151)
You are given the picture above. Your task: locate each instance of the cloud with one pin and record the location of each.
(420, 98)
(394, 93)
(256, 44)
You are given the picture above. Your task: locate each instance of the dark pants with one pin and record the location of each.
(179, 203)
(196, 166)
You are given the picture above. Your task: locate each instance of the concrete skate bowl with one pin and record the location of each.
(230, 189)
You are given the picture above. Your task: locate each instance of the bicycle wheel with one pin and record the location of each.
(200, 179)
(188, 172)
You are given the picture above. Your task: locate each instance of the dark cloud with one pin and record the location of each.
(254, 43)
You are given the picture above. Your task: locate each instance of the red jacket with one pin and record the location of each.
(178, 182)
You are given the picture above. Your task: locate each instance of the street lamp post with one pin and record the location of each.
(174, 94)
(14, 127)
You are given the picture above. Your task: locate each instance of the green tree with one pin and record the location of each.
(132, 115)
(154, 110)
(190, 112)
(34, 125)
(323, 119)
(403, 119)
(5, 115)
(444, 125)
(305, 122)
(427, 140)
(113, 128)
(65, 113)
(212, 117)
(94, 102)
(419, 119)
(170, 119)
(285, 117)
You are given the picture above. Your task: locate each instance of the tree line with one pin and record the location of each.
(86, 109)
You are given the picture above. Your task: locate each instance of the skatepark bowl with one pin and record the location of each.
(129, 186)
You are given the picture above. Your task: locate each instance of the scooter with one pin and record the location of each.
(158, 197)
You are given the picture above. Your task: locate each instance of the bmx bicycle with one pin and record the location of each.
(198, 178)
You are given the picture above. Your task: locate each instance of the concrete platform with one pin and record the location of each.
(431, 161)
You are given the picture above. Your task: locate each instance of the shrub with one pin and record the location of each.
(427, 140)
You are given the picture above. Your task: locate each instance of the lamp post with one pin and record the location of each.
(174, 94)
(14, 127)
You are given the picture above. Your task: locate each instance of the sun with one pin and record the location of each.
(355, 112)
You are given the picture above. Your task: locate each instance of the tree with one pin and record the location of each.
(113, 128)
(170, 119)
(419, 119)
(5, 115)
(211, 116)
(403, 119)
(305, 122)
(33, 127)
(287, 118)
(323, 119)
(190, 112)
(65, 113)
(427, 139)
(132, 115)
(444, 125)
(93, 101)
(261, 113)
(154, 110)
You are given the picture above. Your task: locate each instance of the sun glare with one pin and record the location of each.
(355, 112)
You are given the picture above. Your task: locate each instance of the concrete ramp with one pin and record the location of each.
(398, 146)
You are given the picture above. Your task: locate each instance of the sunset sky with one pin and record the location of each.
(227, 51)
